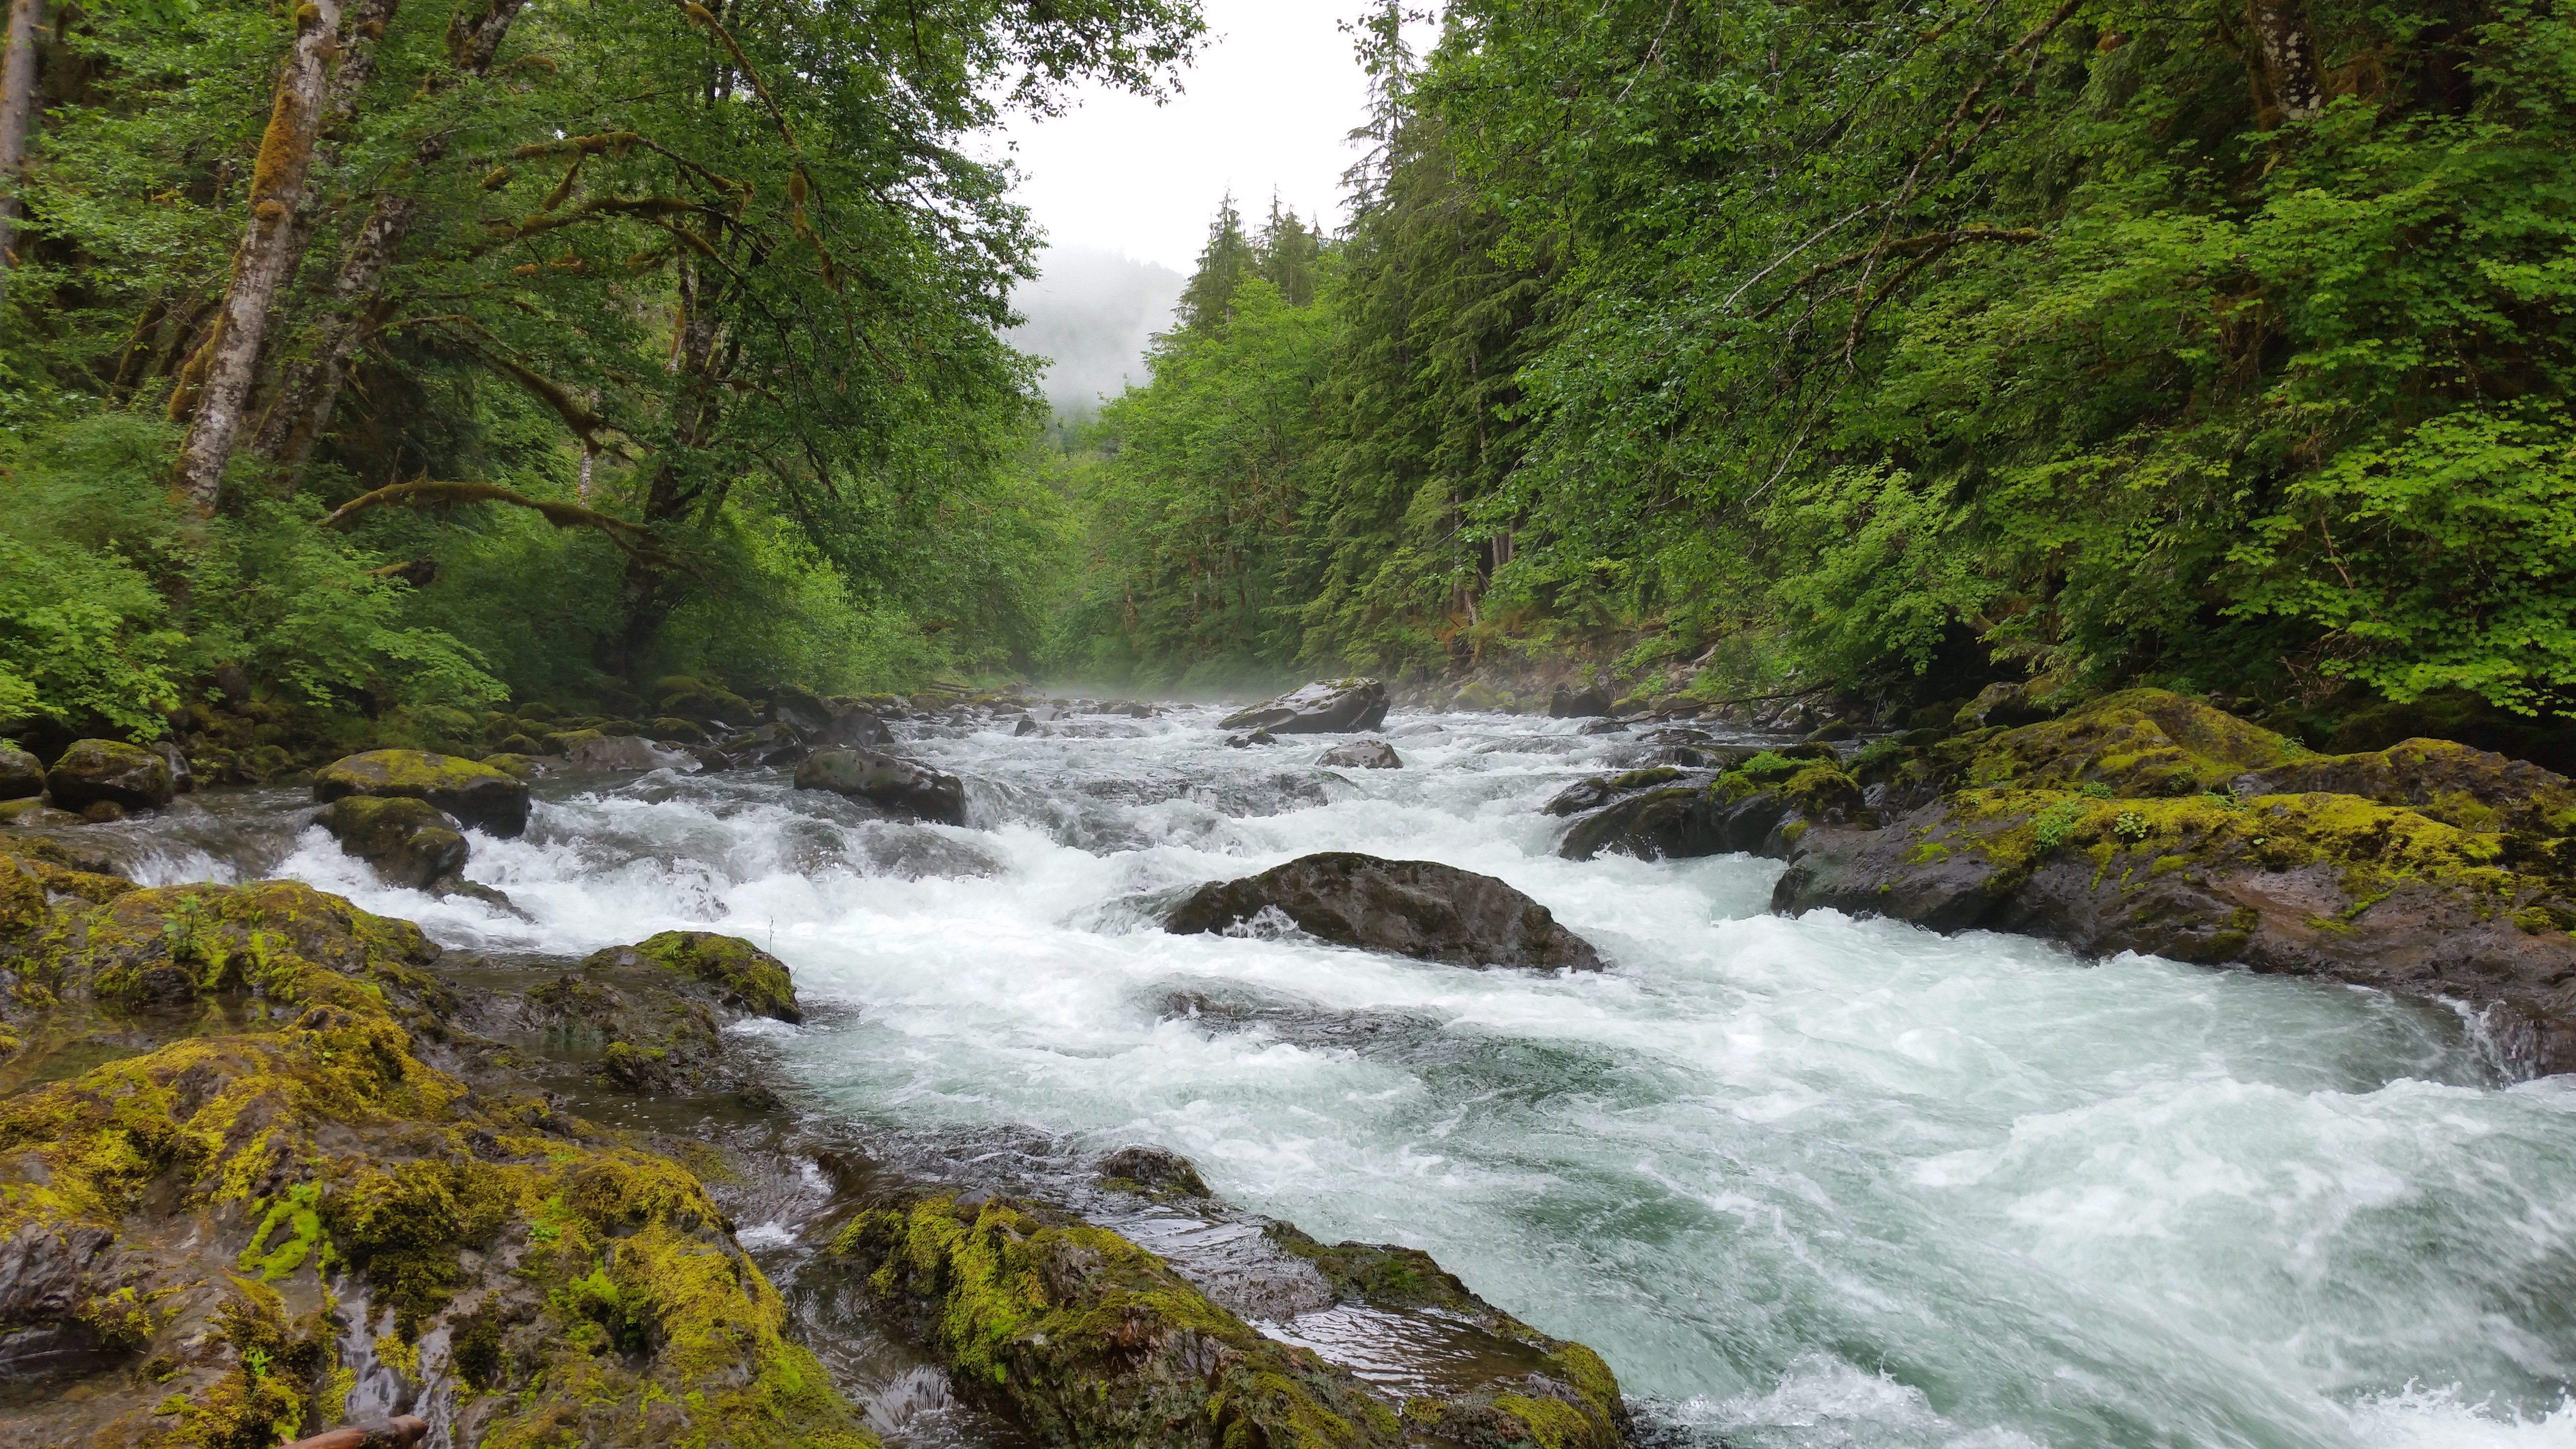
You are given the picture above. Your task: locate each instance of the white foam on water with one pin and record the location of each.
(1814, 1182)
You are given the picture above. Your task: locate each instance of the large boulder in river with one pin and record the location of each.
(1363, 755)
(411, 843)
(1758, 802)
(478, 795)
(898, 784)
(1417, 908)
(1340, 706)
(22, 775)
(110, 772)
(1589, 702)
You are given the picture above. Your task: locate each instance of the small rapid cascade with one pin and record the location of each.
(1808, 1183)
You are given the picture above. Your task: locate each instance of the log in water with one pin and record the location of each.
(1804, 1183)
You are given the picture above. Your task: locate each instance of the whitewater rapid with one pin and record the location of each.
(1809, 1183)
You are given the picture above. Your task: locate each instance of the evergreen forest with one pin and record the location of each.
(379, 363)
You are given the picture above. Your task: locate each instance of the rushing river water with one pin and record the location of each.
(1803, 1183)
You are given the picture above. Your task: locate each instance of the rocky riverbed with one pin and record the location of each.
(704, 1108)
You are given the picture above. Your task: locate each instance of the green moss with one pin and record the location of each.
(417, 774)
(754, 980)
(1091, 1339)
(2140, 743)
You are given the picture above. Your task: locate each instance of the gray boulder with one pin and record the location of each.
(1589, 702)
(1340, 706)
(904, 785)
(1363, 755)
(21, 774)
(1416, 908)
(111, 772)
(853, 729)
(627, 752)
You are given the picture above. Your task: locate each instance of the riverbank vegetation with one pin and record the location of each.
(364, 359)
(361, 357)
(2224, 348)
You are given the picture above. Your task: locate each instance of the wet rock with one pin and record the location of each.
(746, 979)
(109, 772)
(182, 778)
(1341, 706)
(902, 785)
(853, 729)
(1151, 1170)
(626, 752)
(22, 776)
(402, 1431)
(1585, 703)
(769, 746)
(1024, 728)
(1603, 727)
(2008, 705)
(1416, 908)
(1249, 739)
(409, 842)
(2117, 851)
(1758, 803)
(1084, 1337)
(1363, 755)
(478, 795)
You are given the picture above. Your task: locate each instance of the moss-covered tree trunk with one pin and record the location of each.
(306, 398)
(17, 112)
(2294, 89)
(215, 388)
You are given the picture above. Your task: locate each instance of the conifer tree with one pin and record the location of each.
(1224, 262)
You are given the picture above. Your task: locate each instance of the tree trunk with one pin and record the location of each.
(302, 409)
(266, 256)
(2289, 59)
(17, 112)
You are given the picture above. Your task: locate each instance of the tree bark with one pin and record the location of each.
(305, 401)
(2288, 49)
(266, 256)
(17, 113)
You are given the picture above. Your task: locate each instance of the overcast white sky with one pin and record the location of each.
(1273, 93)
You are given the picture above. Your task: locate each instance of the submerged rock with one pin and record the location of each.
(1363, 755)
(109, 772)
(1417, 908)
(476, 794)
(2114, 829)
(898, 784)
(411, 843)
(1589, 702)
(1341, 706)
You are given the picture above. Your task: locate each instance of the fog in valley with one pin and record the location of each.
(1093, 313)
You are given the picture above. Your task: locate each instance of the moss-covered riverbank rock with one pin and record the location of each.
(1757, 802)
(109, 772)
(646, 1019)
(476, 794)
(2148, 822)
(254, 1203)
(1085, 1338)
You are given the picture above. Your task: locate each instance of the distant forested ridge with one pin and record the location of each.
(2225, 347)
(362, 357)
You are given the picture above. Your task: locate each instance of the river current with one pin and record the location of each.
(1807, 1183)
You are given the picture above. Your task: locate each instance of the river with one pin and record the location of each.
(1806, 1183)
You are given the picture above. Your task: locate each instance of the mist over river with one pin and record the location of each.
(1819, 1182)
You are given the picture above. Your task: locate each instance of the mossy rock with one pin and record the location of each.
(411, 843)
(518, 744)
(517, 766)
(2473, 789)
(476, 794)
(188, 1197)
(109, 772)
(2140, 743)
(1087, 1339)
(750, 979)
